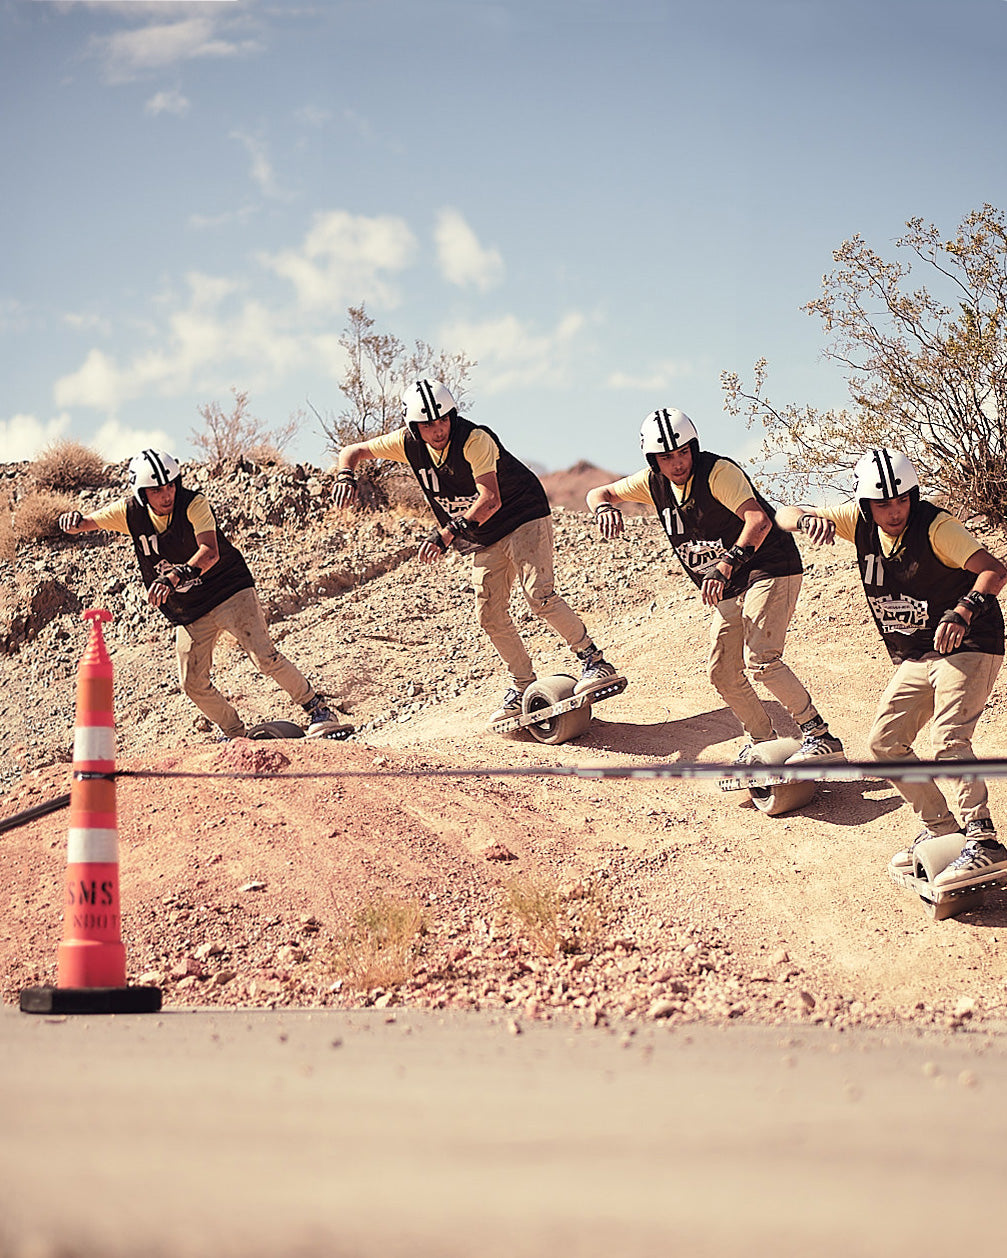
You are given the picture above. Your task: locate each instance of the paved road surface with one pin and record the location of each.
(321, 1133)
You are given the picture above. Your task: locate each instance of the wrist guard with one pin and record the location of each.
(737, 555)
(435, 539)
(976, 603)
(346, 476)
(952, 618)
(461, 527)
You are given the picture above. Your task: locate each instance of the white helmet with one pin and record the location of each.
(883, 474)
(150, 469)
(667, 430)
(426, 400)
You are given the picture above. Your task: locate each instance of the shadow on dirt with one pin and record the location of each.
(685, 739)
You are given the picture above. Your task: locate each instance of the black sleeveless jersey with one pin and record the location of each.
(701, 528)
(451, 487)
(910, 590)
(177, 544)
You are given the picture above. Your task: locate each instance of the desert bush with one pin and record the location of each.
(381, 945)
(380, 368)
(556, 921)
(266, 455)
(37, 514)
(924, 369)
(227, 437)
(8, 541)
(68, 465)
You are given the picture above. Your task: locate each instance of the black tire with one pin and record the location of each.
(275, 729)
(556, 729)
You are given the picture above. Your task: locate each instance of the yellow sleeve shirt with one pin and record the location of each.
(952, 543)
(113, 517)
(481, 451)
(728, 484)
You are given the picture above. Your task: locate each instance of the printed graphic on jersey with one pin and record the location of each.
(899, 615)
(701, 557)
(454, 505)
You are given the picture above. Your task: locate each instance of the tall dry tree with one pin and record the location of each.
(379, 368)
(926, 370)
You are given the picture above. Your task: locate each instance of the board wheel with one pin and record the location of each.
(773, 800)
(555, 729)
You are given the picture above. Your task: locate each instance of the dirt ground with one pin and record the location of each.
(256, 874)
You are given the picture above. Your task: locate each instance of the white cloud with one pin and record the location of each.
(653, 381)
(217, 328)
(510, 355)
(172, 102)
(261, 169)
(115, 443)
(463, 259)
(313, 115)
(88, 323)
(23, 436)
(342, 258)
(204, 222)
(128, 53)
(218, 331)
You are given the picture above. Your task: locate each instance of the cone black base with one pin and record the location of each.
(91, 1000)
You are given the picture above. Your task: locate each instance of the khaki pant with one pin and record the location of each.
(526, 556)
(241, 615)
(748, 634)
(951, 689)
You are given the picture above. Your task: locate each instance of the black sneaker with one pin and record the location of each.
(818, 744)
(597, 673)
(321, 718)
(509, 708)
(980, 861)
(980, 828)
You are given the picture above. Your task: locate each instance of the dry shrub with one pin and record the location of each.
(68, 465)
(266, 455)
(381, 946)
(556, 921)
(37, 515)
(8, 541)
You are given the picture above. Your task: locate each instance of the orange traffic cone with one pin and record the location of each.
(91, 970)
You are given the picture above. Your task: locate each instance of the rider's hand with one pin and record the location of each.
(344, 491)
(609, 520)
(819, 530)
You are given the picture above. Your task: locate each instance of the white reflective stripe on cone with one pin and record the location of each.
(94, 742)
(85, 846)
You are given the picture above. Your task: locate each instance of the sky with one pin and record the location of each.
(605, 203)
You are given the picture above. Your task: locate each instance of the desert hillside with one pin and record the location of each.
(248, 867)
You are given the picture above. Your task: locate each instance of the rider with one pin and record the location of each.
(747, 570)
(489, 505)
(932, 590)
(201, 583)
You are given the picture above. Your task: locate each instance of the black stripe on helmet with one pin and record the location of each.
(887, 482)
(156, 465)
(666, 430)
(429, 405)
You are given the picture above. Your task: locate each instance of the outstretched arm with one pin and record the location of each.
(345, 489)
(73, 522)
(819, 530)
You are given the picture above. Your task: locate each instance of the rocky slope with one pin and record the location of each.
(249, 870)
